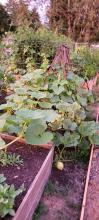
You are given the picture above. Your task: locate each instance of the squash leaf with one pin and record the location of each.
(70, 139)
(88, 128)
(36, 134)
(2, 142)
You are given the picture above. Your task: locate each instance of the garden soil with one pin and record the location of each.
(33, 158)
(2, 97)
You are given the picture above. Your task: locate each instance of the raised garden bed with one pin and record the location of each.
(62, 198)
(72, 193)
(34, 173)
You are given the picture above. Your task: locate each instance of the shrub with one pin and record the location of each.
(86, 62)
(31, 49)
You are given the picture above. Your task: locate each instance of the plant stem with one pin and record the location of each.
(7, 145)
(60, 156)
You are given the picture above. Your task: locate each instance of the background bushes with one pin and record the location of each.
(32, 48)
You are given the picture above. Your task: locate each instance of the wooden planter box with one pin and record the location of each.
(33, 195)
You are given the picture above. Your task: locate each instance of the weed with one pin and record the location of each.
(41, 209)
(50, 188)
(7, 158)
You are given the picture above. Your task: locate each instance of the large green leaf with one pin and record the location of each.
(38, 95)
(50, 115)
(36, 74)
(70, 139)
(46, 115)
(12, 129)
(14, 120)
(69, 125)
(6, 106)
(81, 114)
(3, 120)
(82, 100)
(36, 134)
(58, 89)
(75, 78)
(95, 139)
(29, 114)
(64, 106)
(2, 142)
(87, 128)
(21, 91)
(44, 138)
(45, 104)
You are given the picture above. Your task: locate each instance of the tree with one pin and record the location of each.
(35, 19)
(21, 15)
(4, 20)
(77, 19)
(56, 14)
(18, 12)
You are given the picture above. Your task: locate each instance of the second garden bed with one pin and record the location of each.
(62, 199)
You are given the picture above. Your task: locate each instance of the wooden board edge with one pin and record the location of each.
(32, 186)
(21, 140)
(86, 184)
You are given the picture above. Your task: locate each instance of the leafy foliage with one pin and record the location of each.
(24, 17)
(85, 61)
(7, 158)
(4, 20)
(70, 139)
(43, 107)
(2, 143)
(46, 107)
(5, 79)
(7, 197)
(36, 134)
(73, 19)
(31, 49)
